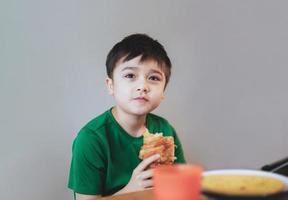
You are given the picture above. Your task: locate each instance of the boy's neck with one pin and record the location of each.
(133, 125)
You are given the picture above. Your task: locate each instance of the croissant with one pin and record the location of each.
(158, 144)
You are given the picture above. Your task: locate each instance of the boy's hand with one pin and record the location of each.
(141, 178)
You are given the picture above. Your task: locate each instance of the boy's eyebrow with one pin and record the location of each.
(156, 71)
(129, 68)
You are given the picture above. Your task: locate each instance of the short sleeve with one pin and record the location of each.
(178, 149)
(87, 170)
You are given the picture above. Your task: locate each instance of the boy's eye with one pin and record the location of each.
(154, 78)
(129, 76)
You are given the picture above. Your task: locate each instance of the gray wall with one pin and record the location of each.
(227, 97)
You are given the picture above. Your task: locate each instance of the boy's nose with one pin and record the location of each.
(142, 90)
(143, 86)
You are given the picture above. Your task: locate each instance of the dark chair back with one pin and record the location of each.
(279, 167)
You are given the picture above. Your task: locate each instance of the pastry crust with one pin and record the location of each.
(158, 144)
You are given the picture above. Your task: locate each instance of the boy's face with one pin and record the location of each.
(138, 87)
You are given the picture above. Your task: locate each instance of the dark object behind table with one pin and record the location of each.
(278, 167)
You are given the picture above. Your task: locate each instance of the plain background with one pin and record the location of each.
(227, 97)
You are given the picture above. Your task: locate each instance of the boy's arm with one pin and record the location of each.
(86, 197)
(140, 180)
(87, 169)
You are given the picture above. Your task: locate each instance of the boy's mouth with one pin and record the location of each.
(141, 99)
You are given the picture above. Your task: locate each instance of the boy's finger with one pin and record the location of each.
(146, 174)
(147, 183)
(146, 162)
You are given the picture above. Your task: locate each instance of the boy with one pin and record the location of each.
(105, 152)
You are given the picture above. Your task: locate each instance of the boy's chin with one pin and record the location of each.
(141, 111)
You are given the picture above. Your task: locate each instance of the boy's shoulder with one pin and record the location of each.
(99, 121)
(105, 120)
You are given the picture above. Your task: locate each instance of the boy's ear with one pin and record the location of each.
(109, 85)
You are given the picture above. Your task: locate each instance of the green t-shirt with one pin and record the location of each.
(105, 155)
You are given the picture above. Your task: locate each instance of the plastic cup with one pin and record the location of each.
(177, 182)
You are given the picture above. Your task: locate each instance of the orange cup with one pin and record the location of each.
(177, 182)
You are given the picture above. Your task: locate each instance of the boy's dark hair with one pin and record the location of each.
(135, 45)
